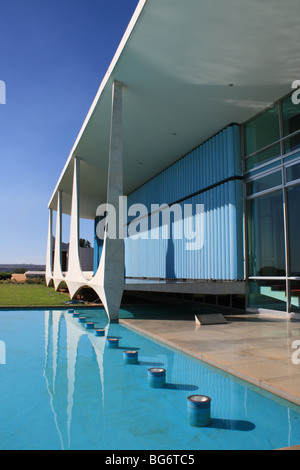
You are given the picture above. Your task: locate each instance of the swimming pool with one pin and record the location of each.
(61, 387)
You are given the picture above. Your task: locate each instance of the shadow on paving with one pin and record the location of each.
(175, 311)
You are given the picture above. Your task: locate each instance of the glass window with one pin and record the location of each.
(262, 157)
(293, 198)
(265, 215)
(290, 116)
(292, 143)
(266, 245)
(262, 184)
(293, 173)
(268, 294)
(295, 296)
(262, 131)
(291, 157)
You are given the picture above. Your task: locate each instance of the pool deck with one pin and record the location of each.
(255, 348)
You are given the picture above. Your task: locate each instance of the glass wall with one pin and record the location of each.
(295, 296)
(266, 235)
(268, 294)
(293, 200)
(262, 136)
(272, 201)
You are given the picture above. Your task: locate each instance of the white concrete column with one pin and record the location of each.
(74, 278)
(57, 273)
(108, 282)
(49, 255)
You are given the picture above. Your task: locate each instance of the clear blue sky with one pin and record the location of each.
(53, 56)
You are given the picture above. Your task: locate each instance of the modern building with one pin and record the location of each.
(199, 109)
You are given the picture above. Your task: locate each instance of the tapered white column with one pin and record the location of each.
(49, 255)
(57, 273)
(108, 282)
(74, 277)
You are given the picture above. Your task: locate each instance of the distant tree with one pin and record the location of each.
(19, 271)
(84, 243)
(4, 275)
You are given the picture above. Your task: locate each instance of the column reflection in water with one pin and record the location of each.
(67, 372)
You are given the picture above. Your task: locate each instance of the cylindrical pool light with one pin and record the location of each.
(81, 319)
(99, 332)
(75, 314)
(198, 410)
(157, 377)
(70, 311)
(130, 357)
(112, 342)
(89, 325)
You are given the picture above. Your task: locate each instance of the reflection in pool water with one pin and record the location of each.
(62, 387)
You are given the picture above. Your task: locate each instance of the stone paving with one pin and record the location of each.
(256, 348)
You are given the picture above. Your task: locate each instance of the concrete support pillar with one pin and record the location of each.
(49, 255)
(57, 273)
(74, 277)
(108, 281)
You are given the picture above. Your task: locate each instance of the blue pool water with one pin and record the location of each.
(61, 387)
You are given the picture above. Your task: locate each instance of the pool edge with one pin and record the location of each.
(246, 378)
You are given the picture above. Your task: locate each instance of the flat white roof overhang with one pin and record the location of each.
(176, 61)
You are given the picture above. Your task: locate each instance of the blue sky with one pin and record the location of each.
(53, 56)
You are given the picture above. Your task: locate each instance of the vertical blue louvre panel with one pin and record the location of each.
(209, 175)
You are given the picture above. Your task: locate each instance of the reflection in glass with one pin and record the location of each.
(262, 184)
(293, 173)
(262, 130)
(292, 143)
(290, 116)
(293, 198)
(295, 297)
(266, 235)
(268, 294)
(263, 156)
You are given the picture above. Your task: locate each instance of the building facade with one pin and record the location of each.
(271, 199)
(196, 154)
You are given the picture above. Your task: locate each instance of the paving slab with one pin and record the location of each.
(256, 348)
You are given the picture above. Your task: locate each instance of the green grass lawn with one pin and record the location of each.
(30, 295)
